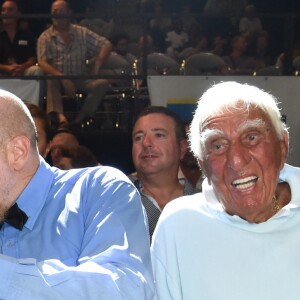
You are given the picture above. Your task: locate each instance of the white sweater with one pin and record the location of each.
(199, 252)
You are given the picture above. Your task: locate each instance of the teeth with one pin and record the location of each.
(245, 182)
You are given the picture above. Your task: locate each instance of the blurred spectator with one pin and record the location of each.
(159, 25)
(17, 45)
(282, 60)
(188, 20)
(238, 61)
(97, 25)
(160, 19)
(63, 49)
(198, 43)
(79, 157)
(176, 38)
(57, 120)
(261, 50)
(250, 25)
(41, 121)
(219, 45)
(63, 141)
(120, 43)
(189, 168)
(145, 45)
(223, 15)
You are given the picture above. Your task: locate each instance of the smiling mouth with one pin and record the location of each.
(245, 183)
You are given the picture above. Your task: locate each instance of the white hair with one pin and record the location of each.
(226, 96)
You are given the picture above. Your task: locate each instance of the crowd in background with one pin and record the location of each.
(181, 28)
(237, 31)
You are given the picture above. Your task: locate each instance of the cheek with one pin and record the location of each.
(268, 157)
(214, 168)
(136, 149)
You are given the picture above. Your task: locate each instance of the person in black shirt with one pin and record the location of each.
(17, 46)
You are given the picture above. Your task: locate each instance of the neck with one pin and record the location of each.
(161, 191)
(62, 28)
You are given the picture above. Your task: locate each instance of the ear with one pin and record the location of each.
(18, 150)
(183, 147)
(284, 147)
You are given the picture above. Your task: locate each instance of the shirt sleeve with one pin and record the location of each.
(94, 42)
(42, 48)
(114, 262)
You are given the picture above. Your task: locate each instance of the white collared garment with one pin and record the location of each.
(199, 252)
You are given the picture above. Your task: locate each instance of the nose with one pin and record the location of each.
(147, 141)
(238, 157)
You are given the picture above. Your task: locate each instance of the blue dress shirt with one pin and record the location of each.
(85, 238)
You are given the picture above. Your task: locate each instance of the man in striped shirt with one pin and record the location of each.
(159, 143)
(64, 49)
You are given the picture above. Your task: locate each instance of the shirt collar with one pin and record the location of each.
(34, 196)
(54, 32)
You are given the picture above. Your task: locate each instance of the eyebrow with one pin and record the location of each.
(152, 130)
(246, 125)
(208, 133)
(252, 124)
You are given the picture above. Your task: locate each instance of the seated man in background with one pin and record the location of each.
(79, 157)
(238, 61)
(63, 141)
(159, 143)
(121, 42)
(64, 49)
(66, 234)
(222, 243)
(17, 46)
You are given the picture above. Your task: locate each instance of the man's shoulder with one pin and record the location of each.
(103, 174)
(77, 28)
(47, 33)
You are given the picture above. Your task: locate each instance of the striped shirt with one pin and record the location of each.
(70, 59)
(153, 211)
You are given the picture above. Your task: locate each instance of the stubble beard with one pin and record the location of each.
(3, 211)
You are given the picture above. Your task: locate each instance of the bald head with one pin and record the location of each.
(15, 119)
(61, 5)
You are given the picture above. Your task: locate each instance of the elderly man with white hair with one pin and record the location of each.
(239, 238)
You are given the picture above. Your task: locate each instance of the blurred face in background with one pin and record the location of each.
(61, 142)
(61, 7)
(9, 8)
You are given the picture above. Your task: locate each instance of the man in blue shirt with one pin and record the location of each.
(75, 237)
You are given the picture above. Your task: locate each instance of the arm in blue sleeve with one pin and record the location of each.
(114, 262)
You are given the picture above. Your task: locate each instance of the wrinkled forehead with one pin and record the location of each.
(237, 111)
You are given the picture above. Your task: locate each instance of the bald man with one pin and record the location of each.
(66, 233)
